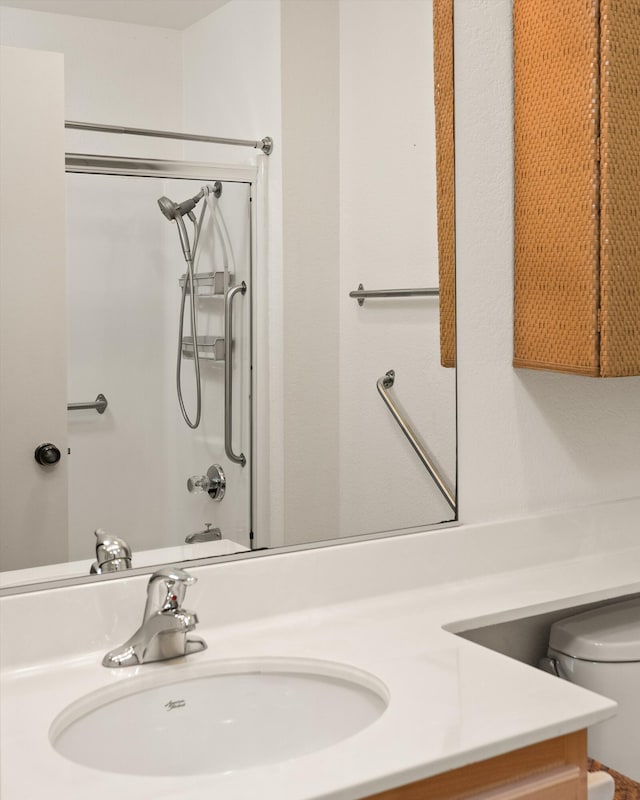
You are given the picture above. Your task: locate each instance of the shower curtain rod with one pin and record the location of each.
(265, 145)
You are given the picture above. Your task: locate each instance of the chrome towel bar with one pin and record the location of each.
(100, 405)
(361, 293)
(386, 382)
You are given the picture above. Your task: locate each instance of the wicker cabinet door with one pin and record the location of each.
(620, 187)
(577, 186)
(556, 118)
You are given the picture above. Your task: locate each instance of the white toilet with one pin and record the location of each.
(600, 650)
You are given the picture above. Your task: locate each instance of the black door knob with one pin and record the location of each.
(47, 454)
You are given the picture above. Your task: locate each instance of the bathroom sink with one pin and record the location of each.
(218, 716)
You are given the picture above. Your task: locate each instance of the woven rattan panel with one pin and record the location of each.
(443, 86)
(556, 93)
(620, 188)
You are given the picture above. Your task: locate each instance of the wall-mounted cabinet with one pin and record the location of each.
(577, 186)
(445, 175)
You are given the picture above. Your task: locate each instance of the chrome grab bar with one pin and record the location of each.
(228, 373)
(100, 405)
(386, 382)
(361, 293)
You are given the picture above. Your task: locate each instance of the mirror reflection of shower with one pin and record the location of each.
(175, 212)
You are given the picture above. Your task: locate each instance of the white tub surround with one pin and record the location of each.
(379, 606)
(145, 558)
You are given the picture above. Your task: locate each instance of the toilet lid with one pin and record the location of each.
(610, 633)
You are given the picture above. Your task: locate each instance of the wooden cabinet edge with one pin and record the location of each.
(569, 369)
(555, 769)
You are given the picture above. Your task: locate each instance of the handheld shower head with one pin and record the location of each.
(168, 208)
(173, 210)
(174, 213)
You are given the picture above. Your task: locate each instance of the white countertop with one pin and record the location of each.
(452, 702)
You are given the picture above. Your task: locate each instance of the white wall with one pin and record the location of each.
(115, 73)
(528, 441)
(359, 205)
(311, 267)
(388, 239)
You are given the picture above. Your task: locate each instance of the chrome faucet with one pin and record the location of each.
(165, 624)
(112, 554)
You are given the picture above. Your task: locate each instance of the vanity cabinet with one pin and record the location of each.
(552, 770)
(577, 186)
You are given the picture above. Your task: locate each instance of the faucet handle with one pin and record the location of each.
(173, 574)
(165, 626)
(166, 589)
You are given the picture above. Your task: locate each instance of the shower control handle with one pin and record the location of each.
(214, 483)
(47, 454)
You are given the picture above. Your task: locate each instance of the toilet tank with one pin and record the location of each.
(600, 650)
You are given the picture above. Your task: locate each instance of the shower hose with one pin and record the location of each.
(220, 228)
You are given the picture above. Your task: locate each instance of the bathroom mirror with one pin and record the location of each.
(340, 405)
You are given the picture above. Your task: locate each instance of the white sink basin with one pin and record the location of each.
(217, 716)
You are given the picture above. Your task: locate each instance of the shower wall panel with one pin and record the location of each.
(129, 466)
(118, 259)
